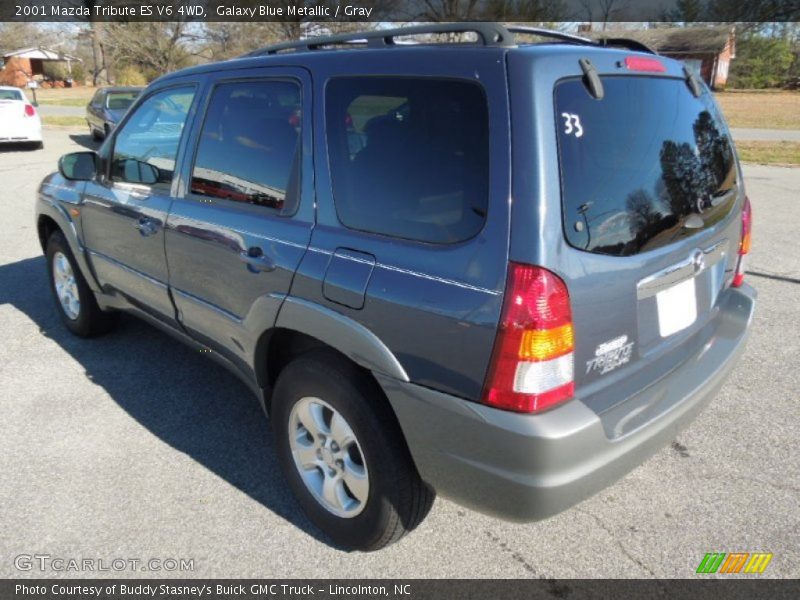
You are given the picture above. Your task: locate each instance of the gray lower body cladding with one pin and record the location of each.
(529, 467)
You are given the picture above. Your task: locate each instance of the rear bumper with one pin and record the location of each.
(529, 467)
(21, 133)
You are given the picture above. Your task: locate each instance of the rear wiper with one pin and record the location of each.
(591, 78)
(692, 82)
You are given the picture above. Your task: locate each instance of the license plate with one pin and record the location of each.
(677, 307)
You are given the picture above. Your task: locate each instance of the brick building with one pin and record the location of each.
(707, 50)
(21, 66)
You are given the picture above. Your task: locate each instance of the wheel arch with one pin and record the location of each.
(50, 219)
(45, 226)
(303, 326)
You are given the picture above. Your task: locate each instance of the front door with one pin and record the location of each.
(243, 222)
(126, 208)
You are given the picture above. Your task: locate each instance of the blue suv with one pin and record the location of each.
(497, 270)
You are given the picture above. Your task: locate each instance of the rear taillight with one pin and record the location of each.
(532, 360)
(30, 111)
(641, 63)
(744, 244)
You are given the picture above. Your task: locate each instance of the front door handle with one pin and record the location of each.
(256, 260)
(146, 226)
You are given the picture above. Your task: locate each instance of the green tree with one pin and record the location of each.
(761, 62)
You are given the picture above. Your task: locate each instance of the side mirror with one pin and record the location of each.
(78, 166)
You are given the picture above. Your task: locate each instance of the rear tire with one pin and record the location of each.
(374, 485)
(74, 299)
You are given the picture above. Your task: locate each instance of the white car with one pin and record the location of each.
(19, 120)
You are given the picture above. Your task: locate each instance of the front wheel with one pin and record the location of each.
(76, 302)
(343, 455)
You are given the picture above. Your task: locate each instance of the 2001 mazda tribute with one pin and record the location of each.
(499, 271)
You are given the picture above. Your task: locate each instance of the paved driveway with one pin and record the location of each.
(766, 135)
(132, 446)
(49, 110)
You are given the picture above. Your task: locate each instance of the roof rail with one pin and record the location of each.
(626, 43)
(550, 33)
(489, 34)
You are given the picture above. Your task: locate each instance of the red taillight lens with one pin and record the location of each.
(744, 244)
(30, 111)
(640, 63)
(532, 363)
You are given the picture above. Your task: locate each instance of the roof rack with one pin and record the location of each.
(550, 33)
(627, 43)
(489, 34)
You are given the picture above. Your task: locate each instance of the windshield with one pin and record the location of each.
(647, 165)
(10, 95)
(120, 100)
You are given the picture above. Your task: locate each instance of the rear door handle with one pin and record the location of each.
(146, 226)
(256, 260)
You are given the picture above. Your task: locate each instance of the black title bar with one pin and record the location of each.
(400, 10)
(733, 588)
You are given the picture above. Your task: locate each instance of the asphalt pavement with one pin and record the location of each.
(134, 447)
(53, 110)
(766, 135)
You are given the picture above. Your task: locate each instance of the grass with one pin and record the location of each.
(77, 96)
(761, 109)
(770, 153)
(64, 121)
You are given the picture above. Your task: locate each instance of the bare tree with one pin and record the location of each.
(541, 12)
(155, 48)
(603, 11)
(15, 36)
(445, 10)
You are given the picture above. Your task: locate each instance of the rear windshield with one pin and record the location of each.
(120, 100)
(10, 95)
(646, 166)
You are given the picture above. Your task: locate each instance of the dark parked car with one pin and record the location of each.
(502, 272)
(107, 107)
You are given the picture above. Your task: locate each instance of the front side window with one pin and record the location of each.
(146, 148)
(249, 146)
(409, 157)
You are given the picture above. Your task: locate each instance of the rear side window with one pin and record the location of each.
(644, 167)
(120, 100)
(249, 145)
(409, 157)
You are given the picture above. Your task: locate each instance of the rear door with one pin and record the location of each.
(244, 218)
(126, 208)
(646, 232)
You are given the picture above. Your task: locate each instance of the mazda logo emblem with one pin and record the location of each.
(699, 261)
